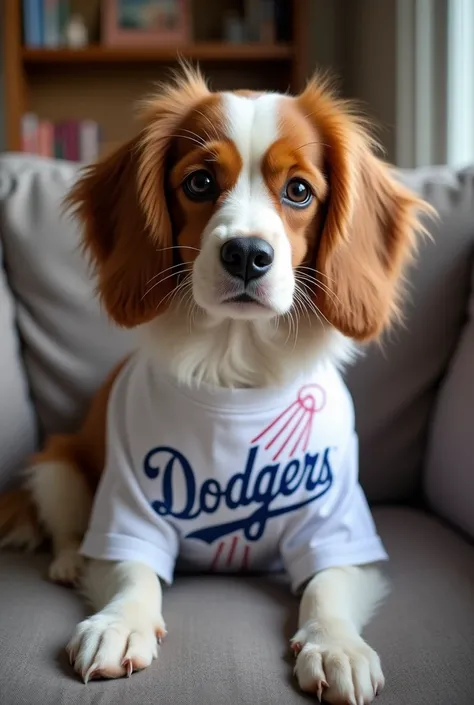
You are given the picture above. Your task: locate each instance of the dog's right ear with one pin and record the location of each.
(121, 201)
(127, 256)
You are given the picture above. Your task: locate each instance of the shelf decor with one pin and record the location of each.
(145, 22)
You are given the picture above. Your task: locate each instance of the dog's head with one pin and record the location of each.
(253, 206)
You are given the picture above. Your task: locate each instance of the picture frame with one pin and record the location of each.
(145, 22)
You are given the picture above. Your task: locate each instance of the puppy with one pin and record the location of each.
(253, 239)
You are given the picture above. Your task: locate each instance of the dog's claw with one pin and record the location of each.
(319, 692)
(89, 674)
(296, 647)
(128, 665)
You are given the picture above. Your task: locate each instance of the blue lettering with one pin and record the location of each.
(241, 500)
(165, 506)
(177, 477)
(325, 473)
(290, 480)
(211, 489)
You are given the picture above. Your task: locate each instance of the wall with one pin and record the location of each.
(356, 41)
(369, 59)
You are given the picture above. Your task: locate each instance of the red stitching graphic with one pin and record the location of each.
(225, 558)
(311, 400)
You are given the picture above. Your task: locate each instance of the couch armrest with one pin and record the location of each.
(17, 417)
(449, 469)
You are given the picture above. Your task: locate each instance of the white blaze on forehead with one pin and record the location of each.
(252, 125)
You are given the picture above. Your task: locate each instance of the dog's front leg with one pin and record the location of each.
(123, 635)
(332, 659)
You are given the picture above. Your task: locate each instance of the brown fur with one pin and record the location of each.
(18, 514)
(84, 452)
(357, 235)
(369, 231)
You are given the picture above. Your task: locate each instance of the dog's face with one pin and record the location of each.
(245, 181)
(250, 206)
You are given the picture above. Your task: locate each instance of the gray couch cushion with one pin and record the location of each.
(228, 636)
(449, 467)
(395, 386)
(17, 419)
(68, 344)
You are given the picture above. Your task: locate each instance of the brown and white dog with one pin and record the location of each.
(299, 173)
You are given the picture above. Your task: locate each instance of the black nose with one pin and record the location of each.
(247, 257)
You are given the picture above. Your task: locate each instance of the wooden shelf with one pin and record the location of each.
(104, 83)
(200, 51)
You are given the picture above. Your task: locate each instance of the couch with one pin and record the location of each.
(228, 636)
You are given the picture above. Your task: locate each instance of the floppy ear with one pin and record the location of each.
(125, 252)
(122, 204)
(370, 224)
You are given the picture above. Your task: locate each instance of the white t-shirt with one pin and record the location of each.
(215, 479)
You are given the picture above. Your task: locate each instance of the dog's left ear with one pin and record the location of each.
(370, 225)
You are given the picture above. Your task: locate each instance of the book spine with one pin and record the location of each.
(72, 141)
(42, 139)
(48, 128)
(51, 23)
(59, 140)
(29, 133)
(75, 141)
(32, 23)
(88, 141)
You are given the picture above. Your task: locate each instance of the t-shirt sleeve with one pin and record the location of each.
(123, 526)
(339, 532)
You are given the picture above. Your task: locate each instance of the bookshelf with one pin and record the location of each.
(104, 83)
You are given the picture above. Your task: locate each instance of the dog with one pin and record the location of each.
(255, 241)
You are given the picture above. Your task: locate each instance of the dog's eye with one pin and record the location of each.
(200, 186)
(297, 193)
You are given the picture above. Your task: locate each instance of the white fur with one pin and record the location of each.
(248, 210)
(64, 502)
(235, 353)
(203, 341)
(122, 636)
(331, 656)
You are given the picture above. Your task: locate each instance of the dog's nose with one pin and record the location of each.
(247, 257)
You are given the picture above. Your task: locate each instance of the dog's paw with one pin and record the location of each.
(66, 567)
(337, 667)
(111, 646)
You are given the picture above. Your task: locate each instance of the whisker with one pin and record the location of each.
(178, 247)
(168, 269)
(197, 138)
(173, 274)
(174, 291)
(313, 270)
(209, 121)
(308, 280)
(317, 311)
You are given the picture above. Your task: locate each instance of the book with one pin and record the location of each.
(76, 141)
(89, 141)
(46, 138)
(71, 140)
(33, 23)
(59, 141)
(51, 23)
(29, 133)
